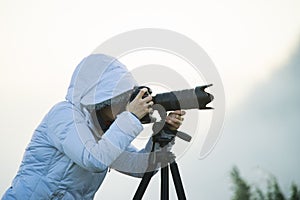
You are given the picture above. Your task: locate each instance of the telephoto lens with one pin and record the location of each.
(178, 100)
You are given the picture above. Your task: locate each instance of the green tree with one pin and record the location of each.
(274, 191)
(241, 187)
(243, 190)
(258, 194)
(295, 192)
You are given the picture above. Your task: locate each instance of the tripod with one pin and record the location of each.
(166, 160)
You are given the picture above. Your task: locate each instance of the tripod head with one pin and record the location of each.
(162, 134)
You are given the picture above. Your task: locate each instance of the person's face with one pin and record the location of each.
(106, 114)
(110, 113)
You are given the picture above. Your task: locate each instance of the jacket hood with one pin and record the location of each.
(99, 78)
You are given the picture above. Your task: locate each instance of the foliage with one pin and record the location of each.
(242, 190)
(241, 187)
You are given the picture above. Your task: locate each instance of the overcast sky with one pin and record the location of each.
(42, 42)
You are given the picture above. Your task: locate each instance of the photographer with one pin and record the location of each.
(80, 138)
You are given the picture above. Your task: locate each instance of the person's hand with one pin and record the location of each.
(175, 119)
(140, 106)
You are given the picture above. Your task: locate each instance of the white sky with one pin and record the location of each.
(42, 42)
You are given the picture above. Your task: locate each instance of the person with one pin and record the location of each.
(79, 139)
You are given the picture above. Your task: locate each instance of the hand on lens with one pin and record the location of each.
(140, 106)
(175, 119)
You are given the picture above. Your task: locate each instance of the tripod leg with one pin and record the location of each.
(177, 181)
(164, 183)
(143, 185)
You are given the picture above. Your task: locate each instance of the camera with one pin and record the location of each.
(186, 99)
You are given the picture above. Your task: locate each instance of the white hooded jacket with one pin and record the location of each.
(67, 158)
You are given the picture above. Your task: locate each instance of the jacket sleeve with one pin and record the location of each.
(133, 162)
(71, 135)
